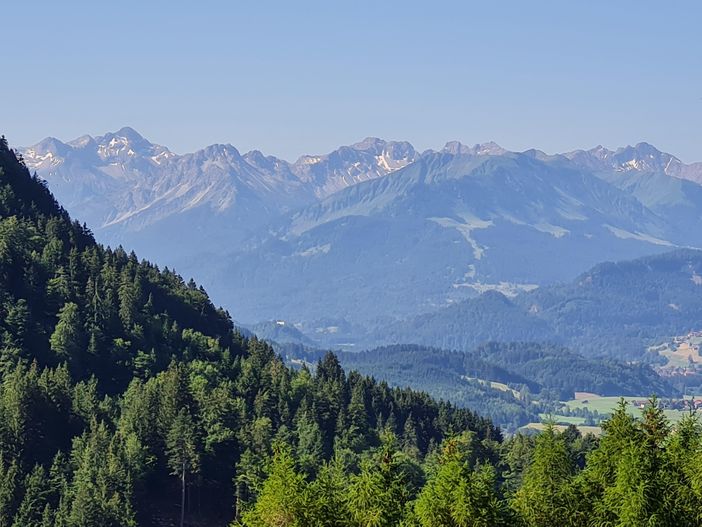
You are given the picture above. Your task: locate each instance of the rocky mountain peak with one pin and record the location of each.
(484, 149)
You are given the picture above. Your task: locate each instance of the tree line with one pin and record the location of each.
(642, 472)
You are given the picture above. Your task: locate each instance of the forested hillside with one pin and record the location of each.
(614, 309)
(122, 385)
(640, 473)
(510, 382)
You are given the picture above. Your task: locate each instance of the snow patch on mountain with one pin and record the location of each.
(312, 251)
(466, 227)
(642, 237)
(509, 289)
(553, 230)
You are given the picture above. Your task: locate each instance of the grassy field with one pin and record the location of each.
(607, 405)
(603, 405)
(680, 355)
(495, 385)
(567, 419)
(595, 430)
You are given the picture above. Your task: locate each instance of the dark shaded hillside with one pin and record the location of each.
(538, 375)
(615, 309)
(444, 374)
(119, 381)
(620, 308)
(561, 372)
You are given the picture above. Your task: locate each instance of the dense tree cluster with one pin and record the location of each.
(641, 472)
(615, 310)
(539, 375)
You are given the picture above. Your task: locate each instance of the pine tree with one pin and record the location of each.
(100, 492)
(682, 474)
(546, 496)
(9, 473)
(283, 501)
(459, 495)
(67, 338)
(636, 495)
(34, 501)
(183, 454)
(328, 493)
(310, 449)
(600, 473)
(379, 494)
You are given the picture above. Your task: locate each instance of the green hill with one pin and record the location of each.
(510, 382)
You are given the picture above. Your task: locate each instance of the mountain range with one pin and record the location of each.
(121, 180)
(374, 232)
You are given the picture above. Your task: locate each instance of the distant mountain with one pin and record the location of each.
(445, 228)
(349, 165)
(375, 231)
(280, 332)
(133, 192)
(642, 158)
(144, 196)
(615, 309)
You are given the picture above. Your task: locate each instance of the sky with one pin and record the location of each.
(303, 77)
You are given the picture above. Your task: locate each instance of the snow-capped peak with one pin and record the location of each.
(484, 149)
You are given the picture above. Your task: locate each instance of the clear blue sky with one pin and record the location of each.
(295, 77)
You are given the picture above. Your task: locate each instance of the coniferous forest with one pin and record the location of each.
(127, 398)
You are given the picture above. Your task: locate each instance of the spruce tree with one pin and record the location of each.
(379, 494)
(545, 498)
(67, 339)
(283, 501)
(183, 454)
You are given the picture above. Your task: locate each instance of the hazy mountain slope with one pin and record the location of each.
(614, 309)
(142, 195)
(642, 158)
(349, 165)
(133, 192)
(658, 180)
(442, 229)
(372, 231)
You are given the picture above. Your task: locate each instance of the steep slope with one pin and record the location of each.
(349, 165)
(445, 228)
(659, 180)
